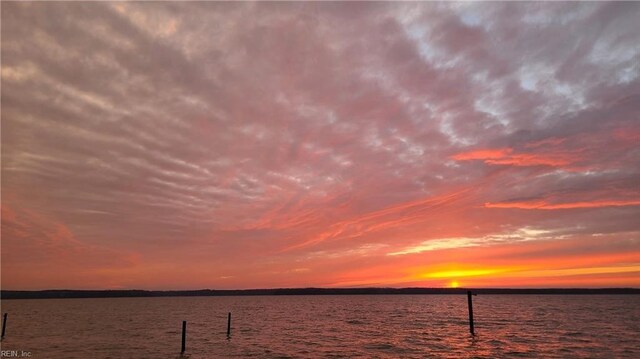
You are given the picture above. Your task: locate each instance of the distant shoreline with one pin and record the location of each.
(53, 294)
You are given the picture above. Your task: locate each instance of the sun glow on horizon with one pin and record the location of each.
(460, 273)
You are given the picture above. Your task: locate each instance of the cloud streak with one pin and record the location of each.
(505, 156)
(541, 204)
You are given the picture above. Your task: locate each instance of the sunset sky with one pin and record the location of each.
(256, 145)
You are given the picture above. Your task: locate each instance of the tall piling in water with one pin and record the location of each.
(470, 304)
(4, 324)
(229, 325)
(184, 336)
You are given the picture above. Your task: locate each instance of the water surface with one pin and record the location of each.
(359, 326)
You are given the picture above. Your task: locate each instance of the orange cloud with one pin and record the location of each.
(543, 204)
(394, 216)
(505, 156)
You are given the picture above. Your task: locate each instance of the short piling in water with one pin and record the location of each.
(229, 325)
(184, 336)
(471, 329)
(4, 324)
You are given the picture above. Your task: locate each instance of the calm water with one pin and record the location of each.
(382, 326)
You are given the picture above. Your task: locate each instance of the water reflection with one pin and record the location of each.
(327, 326)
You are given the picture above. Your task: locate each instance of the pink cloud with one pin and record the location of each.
(39, 252)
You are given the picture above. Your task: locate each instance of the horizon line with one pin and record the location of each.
(323, 289)
(310, 287)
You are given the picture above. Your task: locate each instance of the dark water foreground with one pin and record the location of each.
(380, 326)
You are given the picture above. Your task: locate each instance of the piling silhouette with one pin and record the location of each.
(184, 336)
(470, 304)
(4, 324)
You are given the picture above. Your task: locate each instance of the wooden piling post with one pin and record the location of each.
(229, 325)
(184, 336)
(470, 304)
(4, 324)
